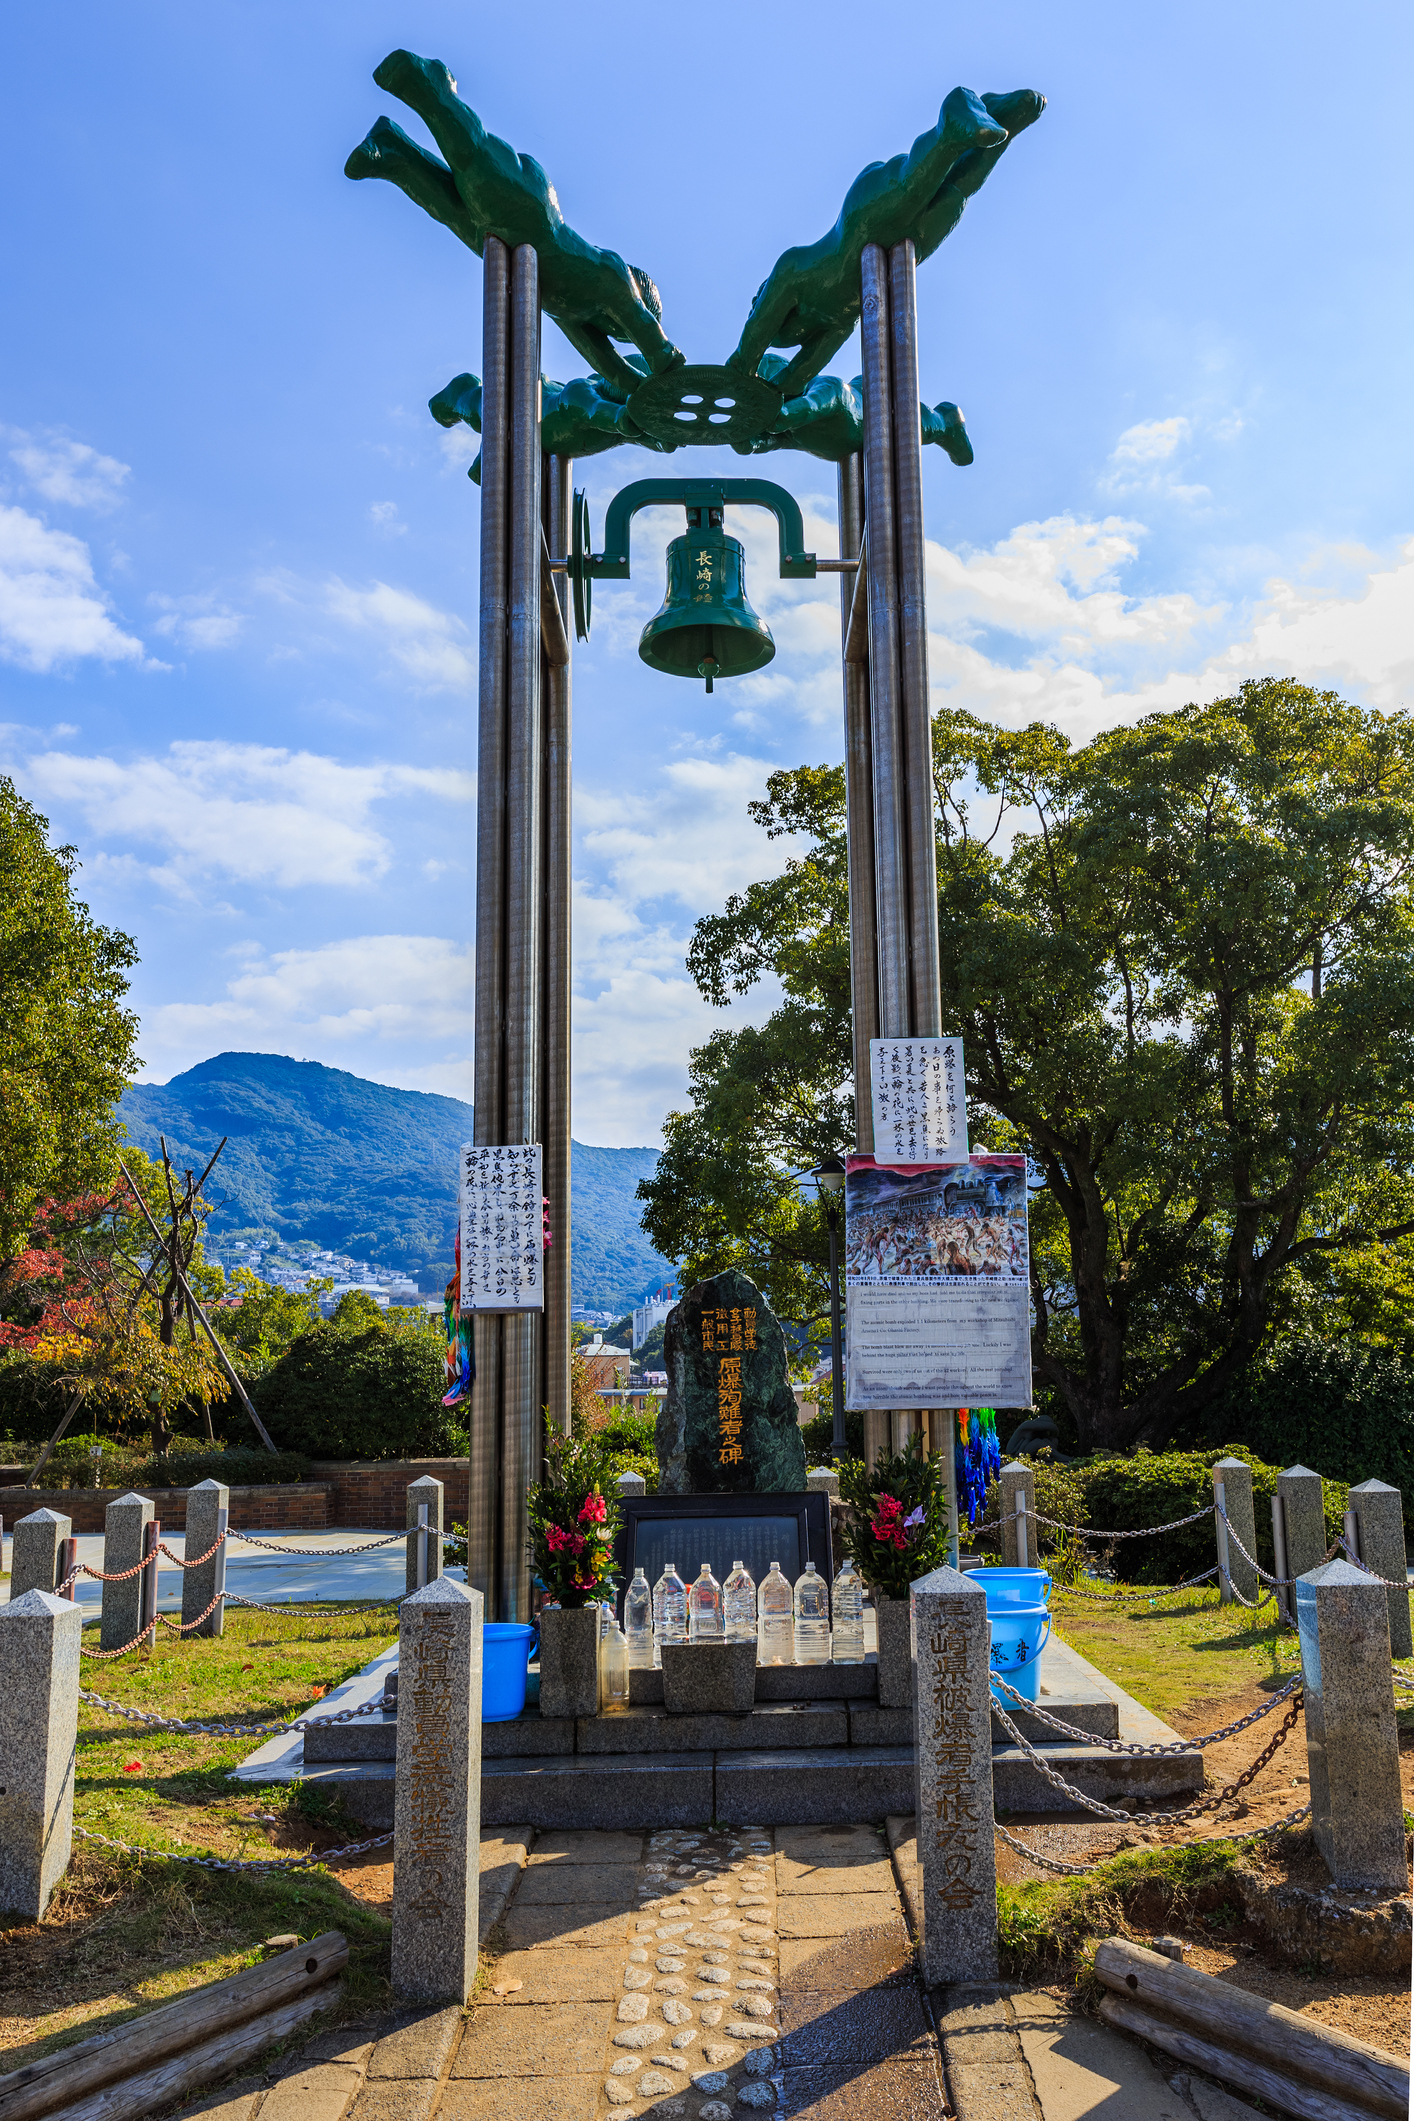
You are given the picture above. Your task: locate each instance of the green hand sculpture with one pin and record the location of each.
(491, 190)
(827, 420)
(577, 419)
(811, 298)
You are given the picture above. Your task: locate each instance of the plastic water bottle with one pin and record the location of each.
(812, 1618)
(739, 1604)
(669, 1611)
(775, 1639)
(638, 1623)
(613, 1666)
(847, 1605)
(704, 1608)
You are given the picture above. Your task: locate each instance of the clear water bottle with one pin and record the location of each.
(739, 1604)
(847, 1605)
(669, 1611)
(775, 1620)
(704, 1608)
(812, 1618)
(638, 1623)
(613, 1667)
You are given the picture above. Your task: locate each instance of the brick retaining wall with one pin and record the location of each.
(371, 1496)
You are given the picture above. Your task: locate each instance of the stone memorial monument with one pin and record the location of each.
(437, 1794)
(728, 1424)
(952, 1729)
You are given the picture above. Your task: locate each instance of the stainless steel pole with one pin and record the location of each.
(889, 768)
(837, 1439)
(859, 817)
(915, 716)
(484, 1446)
(1285, 1602)
(520, 1432)
(555, 1097)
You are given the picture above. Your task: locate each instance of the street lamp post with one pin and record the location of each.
(829, 1179)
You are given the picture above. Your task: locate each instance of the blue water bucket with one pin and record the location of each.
(1019, 1634)
(1015, 1586)
(506, 1650)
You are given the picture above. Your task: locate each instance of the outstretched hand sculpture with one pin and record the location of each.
(577, 419)
(811, 298)
(827, 420)
(486, 189)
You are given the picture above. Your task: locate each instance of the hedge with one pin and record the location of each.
(366, 1392)
(1344, 1409)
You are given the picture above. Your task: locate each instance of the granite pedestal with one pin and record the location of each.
(1235, 1478)
(125, 1524)
(1352, 1741)
(38, 1545)
(895, 1654)
(1018, 1483)
(437, 1796)
(953, 1764)
(569, 1660)
(208, 1510)
(1379, 1512)
(1304, 1516)
(39, 1685)
(424, 1566)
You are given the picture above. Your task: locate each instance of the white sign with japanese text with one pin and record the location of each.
(502, 1228)
(920, 1099)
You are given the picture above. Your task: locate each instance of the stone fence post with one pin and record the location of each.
(39, 1685)
(36, 1551)
(1379, 1517)
(1352, 1741)
(1234, 1476)
(1304, 1515)
(437, 1794)
(125, 1524)
(631, 1484)
(952, 1733)
(424, 1556)
(1020, 1546)
(208, 1514)
(822, 1480)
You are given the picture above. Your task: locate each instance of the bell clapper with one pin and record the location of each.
(709, 666)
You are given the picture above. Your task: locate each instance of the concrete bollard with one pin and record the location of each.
(437, 1794)
(125, 1524)
(1234, 1476)
(424, 1523)
(39, 1685)
(208, 1514)
(1352, 1740)
(1378, 1510)
(1304, 1517)
(631, 1484)
(37, 1550)
(952, 1731)
(1019, 1542)
(822, 1480)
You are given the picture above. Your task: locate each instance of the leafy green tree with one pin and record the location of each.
(1181, 959)
(67, 1044)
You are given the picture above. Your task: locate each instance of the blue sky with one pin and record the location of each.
(238, 559)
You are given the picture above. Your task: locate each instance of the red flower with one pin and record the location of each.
(562, 1542)
(133, 1767)
(593, 1511)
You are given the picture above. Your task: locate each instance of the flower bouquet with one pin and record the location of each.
(574, 1513)
(898, 1518)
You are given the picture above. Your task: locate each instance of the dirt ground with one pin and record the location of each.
(1369, 2008)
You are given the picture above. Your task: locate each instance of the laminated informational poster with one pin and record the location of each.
(919, 1099)
(937, 1283)
(502, 1227)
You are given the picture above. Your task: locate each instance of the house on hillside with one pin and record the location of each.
(607, 1365)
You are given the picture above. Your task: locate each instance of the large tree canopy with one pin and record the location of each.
(66, 1041)
(1182, 964)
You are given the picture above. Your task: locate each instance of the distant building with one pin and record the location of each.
(604, 1362)
(654, 1312)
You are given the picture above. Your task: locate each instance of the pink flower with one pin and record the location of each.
(562, 1542)
(593, 1511)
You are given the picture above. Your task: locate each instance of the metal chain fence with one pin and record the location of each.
(231, 1863)
(1080, 1870)
(1143, 1752)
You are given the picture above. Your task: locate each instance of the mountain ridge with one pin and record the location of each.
(370, 1170)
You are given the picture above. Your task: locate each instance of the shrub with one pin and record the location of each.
(818, 1436)
(370, 1391)
(1344, 1409)
(234, 1469)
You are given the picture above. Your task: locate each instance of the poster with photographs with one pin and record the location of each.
(937, 1283)
(919, 1098)
(502, 1228)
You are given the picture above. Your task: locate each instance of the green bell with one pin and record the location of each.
(706, 628)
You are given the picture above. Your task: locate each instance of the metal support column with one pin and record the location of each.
(484, 1449)
(555, 1049)
(859, 811)
(890, 805)
(521, 1438)
(915, 718)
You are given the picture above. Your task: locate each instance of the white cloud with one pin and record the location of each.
(52, 611)
(1141, 460)
(247, 811)
(363, 1002)
(69, 472)
(433, 646)
(196, 622)
(384, 516)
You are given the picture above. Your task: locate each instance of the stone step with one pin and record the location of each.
(781, 1682)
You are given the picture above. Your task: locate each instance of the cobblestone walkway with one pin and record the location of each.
(690, 1976)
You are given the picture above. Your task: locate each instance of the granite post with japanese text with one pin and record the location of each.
(952, 1729)
(437, 1796)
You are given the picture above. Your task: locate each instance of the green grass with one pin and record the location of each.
(1171, 1651)
(1053, 1926)
(123, 1933)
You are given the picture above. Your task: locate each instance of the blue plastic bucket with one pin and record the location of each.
(506, 1649)
(1019, 1634)
(1015, 1586)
